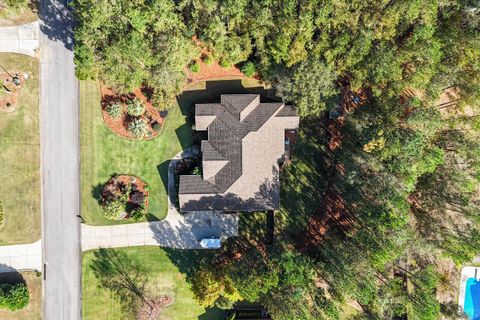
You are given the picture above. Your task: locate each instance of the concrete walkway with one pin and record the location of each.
(20, 39)
(21, 257)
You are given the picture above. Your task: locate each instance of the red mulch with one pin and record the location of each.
(333, 210)
(152, 308)
(116, 182)
(213, 70)
(8, 102)
(120, 125)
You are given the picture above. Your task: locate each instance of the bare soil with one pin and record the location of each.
(152, 308)
(8, 100)
(120, 125)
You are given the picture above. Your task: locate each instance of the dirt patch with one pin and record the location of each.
(153, 118)
(131, 189)
(11, 84)
(152, 308)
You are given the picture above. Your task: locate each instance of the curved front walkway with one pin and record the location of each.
(20, 39)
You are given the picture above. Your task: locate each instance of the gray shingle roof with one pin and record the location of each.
(225, 135)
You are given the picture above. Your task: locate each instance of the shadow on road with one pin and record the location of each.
(57, 22)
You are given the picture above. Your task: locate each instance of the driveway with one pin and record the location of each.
(176, 231)
(21, 257)
(20, 39)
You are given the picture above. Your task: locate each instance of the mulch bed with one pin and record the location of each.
(120, 124)
(8, 101)
(152, 308)
(138, 194)
(213, 70)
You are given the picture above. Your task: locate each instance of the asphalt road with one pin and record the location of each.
(60, 165)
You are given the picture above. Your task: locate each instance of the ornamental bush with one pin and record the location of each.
(157, 127)
(14, 297)
(195, 67)
(138, 128)
(114, 110)
(115, 208)
(208, 60)
(135, 108)
(249, 69)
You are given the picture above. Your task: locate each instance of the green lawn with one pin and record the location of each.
(166, 270)
(25, 14)
(103, 153)
(20, 157)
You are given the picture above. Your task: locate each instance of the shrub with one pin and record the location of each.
(115, 208)
(225, 63)
(135, 108)
(157, 127)
(14, 297)
(114, 110)
(195, 67)
(138, 128)
(197, 171)
(138, 213)
(208, 60)
(249, 69)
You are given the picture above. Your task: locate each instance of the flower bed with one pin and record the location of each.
(131, 115)
(10, 86)
(125, 198)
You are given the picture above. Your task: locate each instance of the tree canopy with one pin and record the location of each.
(401, 164)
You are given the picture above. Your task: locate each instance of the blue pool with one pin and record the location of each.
(472, 299)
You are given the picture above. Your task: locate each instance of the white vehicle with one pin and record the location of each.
(211, 243)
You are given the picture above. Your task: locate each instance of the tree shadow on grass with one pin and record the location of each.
(12, 278)
(97, 192)
(188, 262)
(163, 172)
(123, 277)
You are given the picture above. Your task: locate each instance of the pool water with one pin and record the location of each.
(472, 299)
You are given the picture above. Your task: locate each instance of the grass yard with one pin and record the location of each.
(303, 182)
(25, 14)
(103, 153)
(34, 309)
(164, 278)
(20, 157)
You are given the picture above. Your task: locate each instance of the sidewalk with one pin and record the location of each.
(20, 39)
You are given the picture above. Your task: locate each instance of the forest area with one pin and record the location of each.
(399, 205)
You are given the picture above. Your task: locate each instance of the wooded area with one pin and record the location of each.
(401, 169)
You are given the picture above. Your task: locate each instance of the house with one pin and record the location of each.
(241, 158)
